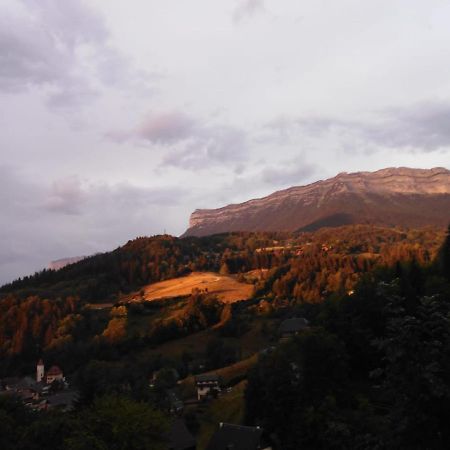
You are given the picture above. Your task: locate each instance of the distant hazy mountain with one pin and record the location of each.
(389, 197)
(60, 263)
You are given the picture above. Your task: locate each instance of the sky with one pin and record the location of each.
(120, 118)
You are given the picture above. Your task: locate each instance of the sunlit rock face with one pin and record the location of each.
(389, 197)
(60, 263)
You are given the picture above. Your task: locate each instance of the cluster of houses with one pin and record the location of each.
(227, 436)
(47, 390)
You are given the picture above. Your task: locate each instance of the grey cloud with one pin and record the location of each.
(225, 143)
(424, 126)
(39, 51)
(66, 196)
(128, 195)
(41, 222)
(71, 22)
(287, 127)
(187, 142)
(119, 71)
(247, 8)
(210, 146)
(40, 48)
(71, 196)
(72, 93)
(421, 127)
(289, 173)
(28, 56)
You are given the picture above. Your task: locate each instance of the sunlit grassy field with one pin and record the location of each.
(227, 288)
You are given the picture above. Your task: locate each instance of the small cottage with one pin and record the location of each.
(208, 385)
(54, 374)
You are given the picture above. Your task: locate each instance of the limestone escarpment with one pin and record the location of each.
(389, 197)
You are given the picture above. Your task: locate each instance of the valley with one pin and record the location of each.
(149, 319)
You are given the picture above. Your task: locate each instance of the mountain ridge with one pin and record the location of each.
(391, 196)
(63, 262)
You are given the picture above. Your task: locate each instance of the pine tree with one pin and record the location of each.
(444, 255)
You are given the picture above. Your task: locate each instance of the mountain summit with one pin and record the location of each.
(390, 197)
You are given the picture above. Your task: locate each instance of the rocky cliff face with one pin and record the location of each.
(60, 263)
(389, 197)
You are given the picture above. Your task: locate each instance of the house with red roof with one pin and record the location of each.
(54, 374)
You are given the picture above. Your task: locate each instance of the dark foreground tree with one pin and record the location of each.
(416, 375)
(110, 423)
(294, 392)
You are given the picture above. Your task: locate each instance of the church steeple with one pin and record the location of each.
(40, 370)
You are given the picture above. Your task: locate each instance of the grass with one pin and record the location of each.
(251, 342)
(227, 408)
(227, 288)
(228, 374)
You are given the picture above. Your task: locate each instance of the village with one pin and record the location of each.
(49, 390)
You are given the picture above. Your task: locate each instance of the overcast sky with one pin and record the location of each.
(119, 118)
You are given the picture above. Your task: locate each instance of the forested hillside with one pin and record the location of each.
(370, 372)
(51, 311)
(373, 371)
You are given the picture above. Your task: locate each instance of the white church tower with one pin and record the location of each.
(40, 370)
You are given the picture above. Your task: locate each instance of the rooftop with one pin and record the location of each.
(206, 377)
(54, 370)
(236, 437)
(179, 436)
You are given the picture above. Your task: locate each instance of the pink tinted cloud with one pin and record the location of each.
(166, 127)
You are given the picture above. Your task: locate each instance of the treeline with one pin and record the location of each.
(47, 313)
(372, 372)
(142, 261)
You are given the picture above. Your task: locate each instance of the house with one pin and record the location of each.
(179, 437)
(208, 385)
(39, 393)
(292, 327)
(25, 388)
(54, 374)
(237, 437)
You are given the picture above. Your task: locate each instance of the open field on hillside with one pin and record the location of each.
(256, 338)
(227, 288)
(229, 375)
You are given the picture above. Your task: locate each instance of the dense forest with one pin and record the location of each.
(371, 372)
(48, 313)
(110, 422)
